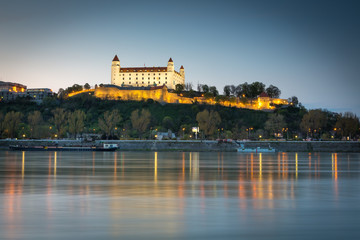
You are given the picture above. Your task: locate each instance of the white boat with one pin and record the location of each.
(255, 150)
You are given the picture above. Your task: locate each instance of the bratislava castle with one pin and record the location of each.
(146, 76)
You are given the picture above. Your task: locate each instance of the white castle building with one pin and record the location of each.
(146, 76)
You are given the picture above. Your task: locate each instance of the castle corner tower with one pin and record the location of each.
(115, 70)
(170, 65)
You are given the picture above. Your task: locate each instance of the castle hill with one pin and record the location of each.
(156, 103)
(179, 120)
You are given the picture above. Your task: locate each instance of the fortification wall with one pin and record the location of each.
(162, 95)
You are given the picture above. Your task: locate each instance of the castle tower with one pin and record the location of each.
(115, 70)
(170, 65)
(182, 71)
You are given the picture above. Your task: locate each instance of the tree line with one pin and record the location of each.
(87, 115)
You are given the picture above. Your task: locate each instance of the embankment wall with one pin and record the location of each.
(173, 145)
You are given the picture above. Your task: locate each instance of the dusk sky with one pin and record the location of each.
(309, 49)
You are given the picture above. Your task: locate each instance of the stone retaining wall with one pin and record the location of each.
(151, 145)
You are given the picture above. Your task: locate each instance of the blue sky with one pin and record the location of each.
(309, 49)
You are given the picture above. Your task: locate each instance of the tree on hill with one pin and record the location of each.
(275, 124)
(108, 122)
(205, 88)
(76, 122)
(293, 101)
(179, 88)
(313, 121)
(35, 121)
(273, 91)
(87, 86)
(227, 90)
(188, 86)
(60, 121)
(208, 121)
(168, 123)
(256, 88)
(347, 124)
(214, 91)
(140, 120)
(12, 121)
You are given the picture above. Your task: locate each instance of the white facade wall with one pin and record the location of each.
(143, 77)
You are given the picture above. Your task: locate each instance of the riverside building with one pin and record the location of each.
(146, 76)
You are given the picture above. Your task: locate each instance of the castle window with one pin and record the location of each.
(148, 82)
(129, 74)
(159, 82)
(129, 82)
(159, 73)
(136, 78)
(142, 82)
(142, 78)
(165, 77)
(165, 73)
(136, 82)
(148, 73)
(129, 78)
(165, 82)
(154, 73)
(154, 77)
(148, 78)
(123, 78)
(143, 74)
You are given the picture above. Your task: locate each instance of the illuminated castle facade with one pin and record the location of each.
(146, 76)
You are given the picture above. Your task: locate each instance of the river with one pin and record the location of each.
(179, 195)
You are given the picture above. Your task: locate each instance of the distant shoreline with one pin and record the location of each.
(198, 145)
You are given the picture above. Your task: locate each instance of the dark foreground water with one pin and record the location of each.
(171, 195)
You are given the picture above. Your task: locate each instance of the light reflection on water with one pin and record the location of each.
(177, 195)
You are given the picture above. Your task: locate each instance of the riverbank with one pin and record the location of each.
(198, 146)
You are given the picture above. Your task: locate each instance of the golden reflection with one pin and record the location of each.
(335, 166)
(190, 163)
(115, 164)
(155, 165)
(279, 165)
(23, 165)
(194, 166)
(260, 165)
(296, 165)
(252, 164)
(55, 163)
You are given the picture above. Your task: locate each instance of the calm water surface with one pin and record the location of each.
(172, 195)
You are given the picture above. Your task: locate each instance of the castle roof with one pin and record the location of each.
(263, 94)
(182, 67)
(116, 59)
(170, 60)
(144, 69)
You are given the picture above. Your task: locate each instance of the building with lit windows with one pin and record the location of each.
(146, 76)
(10, 91)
